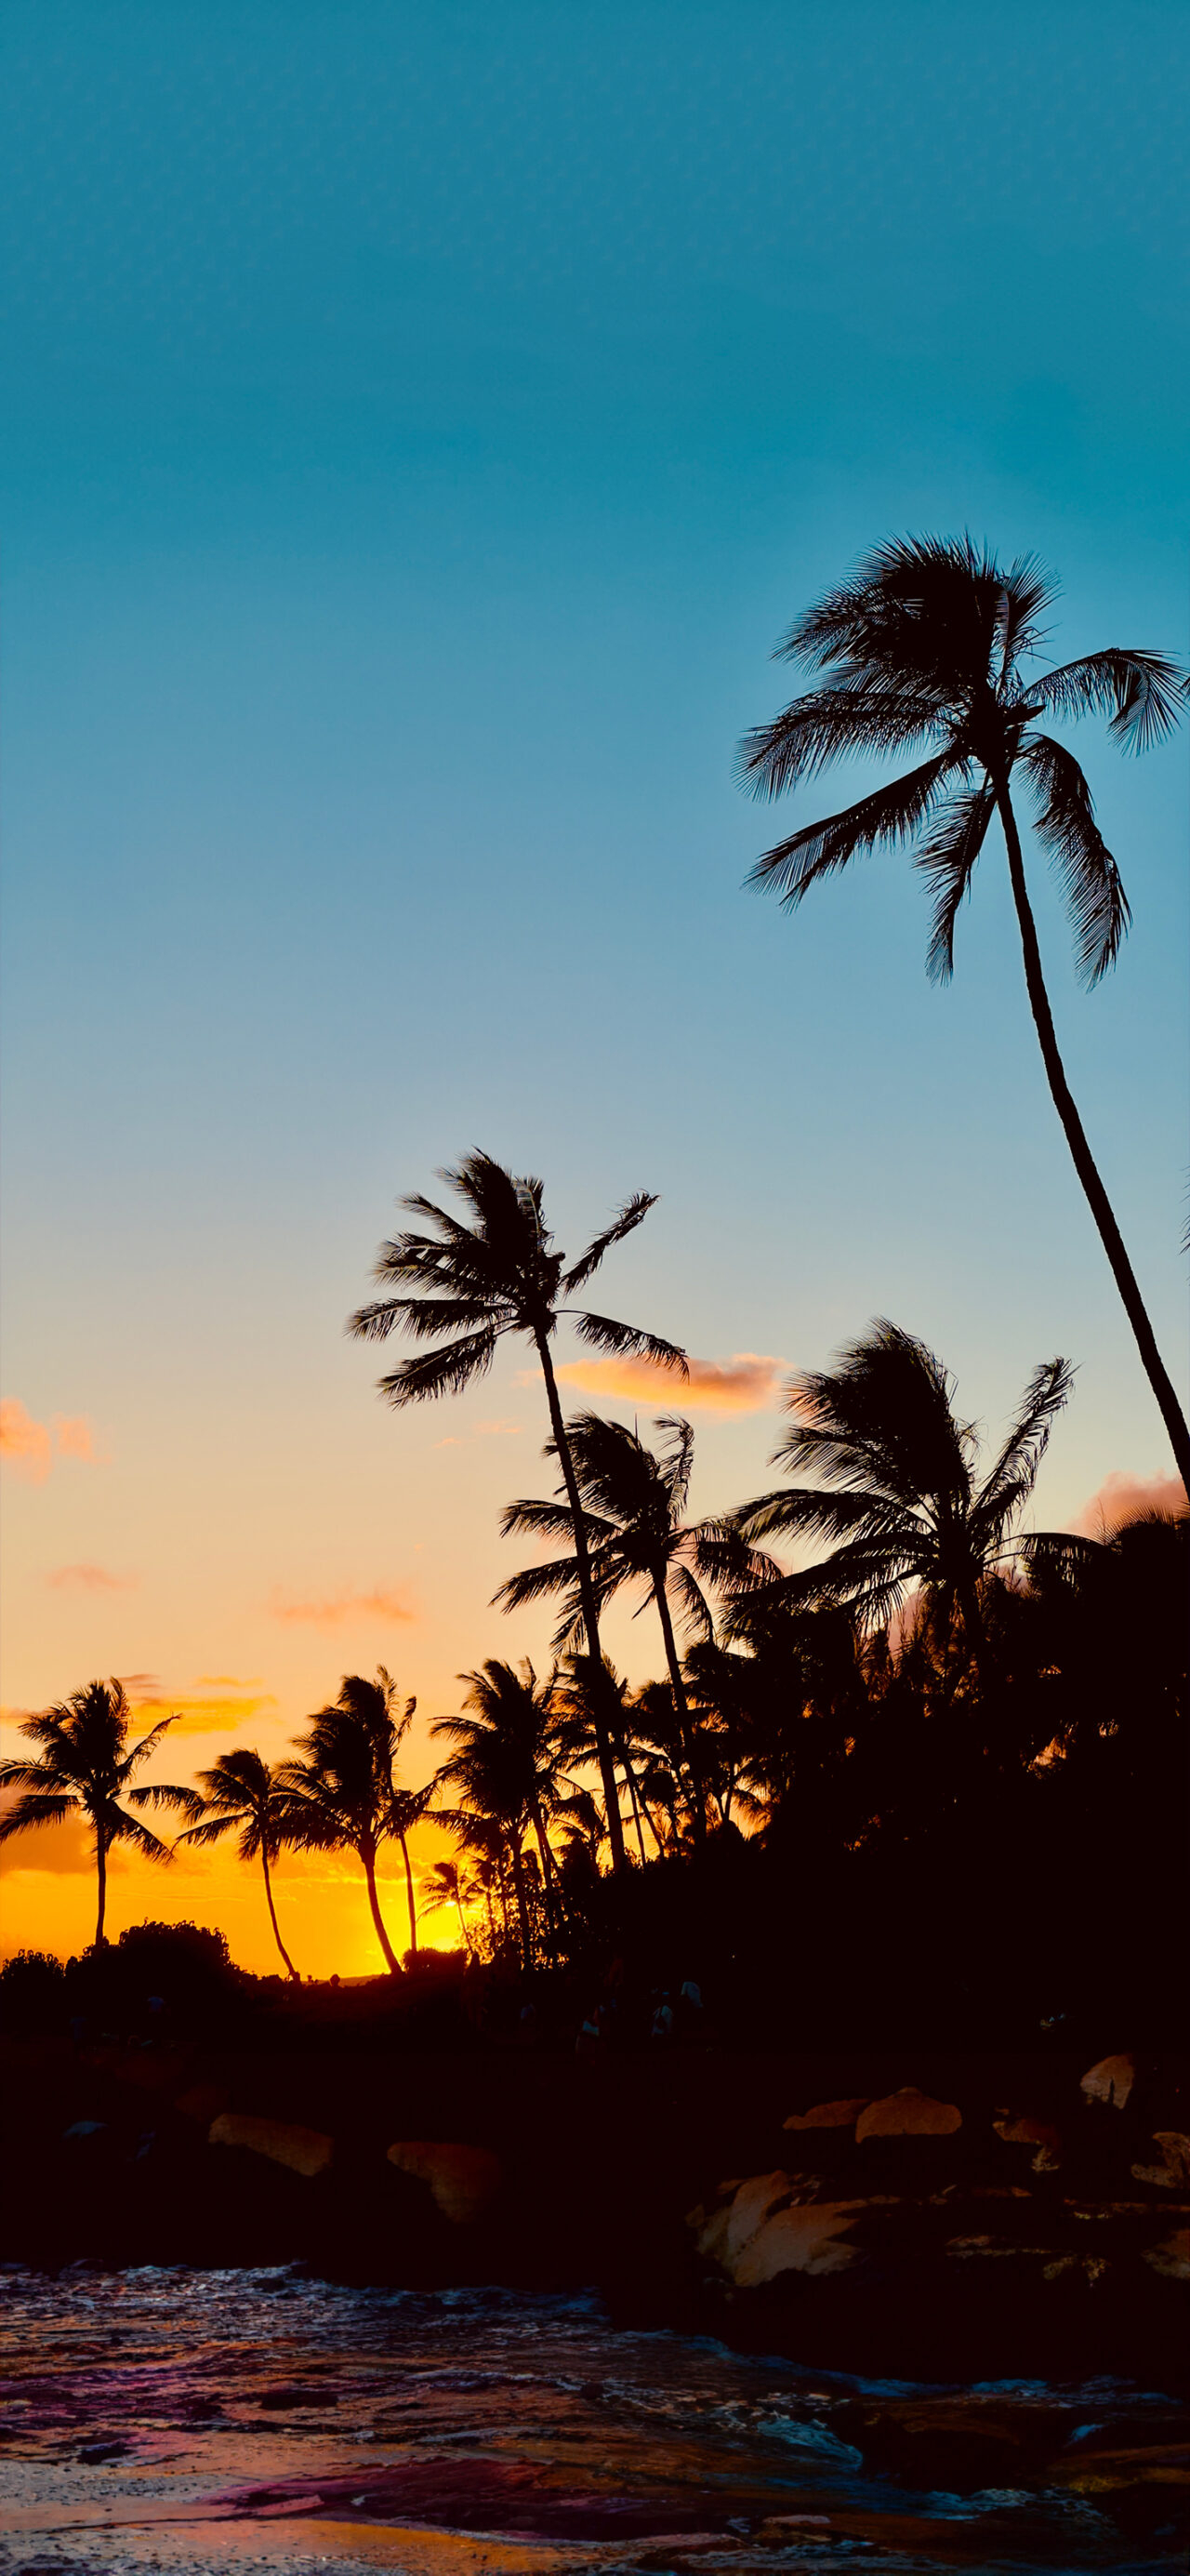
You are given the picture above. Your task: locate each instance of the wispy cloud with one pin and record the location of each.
(481, 1431)
(746, 1383)
(197, 1712)
(337, 1609)
(31, 1446)
(89, 1578)
(1123, 1497)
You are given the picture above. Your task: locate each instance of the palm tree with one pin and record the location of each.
(84, 1768)
(446, 1885)
(468, 1284)
(343, 1796)
(242, 1794)
(925, 646)
(902, 1499)
(508, 1767)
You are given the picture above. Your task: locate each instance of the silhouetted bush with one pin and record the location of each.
(32, 1993)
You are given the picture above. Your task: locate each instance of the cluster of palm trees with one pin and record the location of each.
(764, 1666)
(915, 1562)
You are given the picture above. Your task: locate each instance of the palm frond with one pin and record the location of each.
(1142, 692)
(39, 1807)
(837, 723)
(947, 859)
(889, 815)
(690, 1601)
(1090, 879)
(1013, 1474)
(211, 1830)
(444, 1372)
(627, 1340)
(163, 1793)
(427, 1318)
(628, 1219)
(123, 1828)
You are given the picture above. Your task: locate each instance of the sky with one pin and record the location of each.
(417, 428)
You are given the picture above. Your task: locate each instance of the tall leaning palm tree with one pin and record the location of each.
(901, 1498)
(932, 645)
(242, 1794)
(85, 1767)
(464, 1285)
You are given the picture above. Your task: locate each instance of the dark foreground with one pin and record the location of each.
(952, 2255)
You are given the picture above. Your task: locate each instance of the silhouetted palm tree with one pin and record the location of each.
(241, 1794)
(342, 1796)
(925, 646)
(633, 1502)
(901, 1501)
(468, 1284)
(446, 1885)
(507, 1767)
(84, 1768)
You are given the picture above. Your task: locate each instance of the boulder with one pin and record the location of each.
(305, 2151)
(463, 2180)
(1111, 2080)
(1173, 2172)
(1023, 2128)
(908, 2114)
(830, 2115)
(1172, 2256)
(770, 2225)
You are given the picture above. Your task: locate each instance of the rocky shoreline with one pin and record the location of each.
(936, 2218)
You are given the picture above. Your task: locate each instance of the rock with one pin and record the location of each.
(463, 2180)
(305, 2151)
(769, 2227)
(909, 2114)
(1173, 2173)
(201, 2102)
(1172, 2256)
(1025, 2129)
(1109, 2081)
(830, 2115)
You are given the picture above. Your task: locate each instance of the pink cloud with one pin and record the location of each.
(336, 1609)
(24, 1442)
(75, 1438)
(31, 1446)
(746, 1383)
(89, 1578)
(1123, 1497)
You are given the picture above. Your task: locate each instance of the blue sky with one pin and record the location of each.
(418, 424)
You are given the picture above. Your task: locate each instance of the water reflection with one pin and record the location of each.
(192, 2421)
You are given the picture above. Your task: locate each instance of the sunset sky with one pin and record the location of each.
(417, 427)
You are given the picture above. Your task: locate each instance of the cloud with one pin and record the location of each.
(26, 1443)
(746, 1383)
(31, 1446)
(89, 1578)
(1123, 1497)
(336, 1609)
(75, 1438)
(195, 1715)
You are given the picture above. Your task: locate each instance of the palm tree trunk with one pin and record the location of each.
(101, 1866)
(518, 1877)
(268, 1889)
(391, 1961)
(409, 1895)
(1080, 1151)
(681, 1704)
(607, 1768)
